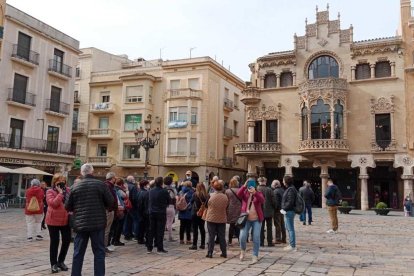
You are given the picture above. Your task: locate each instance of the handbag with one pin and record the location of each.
(242, 219)
(127, 203)
(33, 205)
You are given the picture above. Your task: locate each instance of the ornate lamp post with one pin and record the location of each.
(147, 142)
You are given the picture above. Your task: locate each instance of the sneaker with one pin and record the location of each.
(39, 238)
(55, 268)
(149, 251)
(254, 260)
(118, 244)
(30, 239)
(288, 248)
(62, 267)
(193, 247)
(111, 248)
(162, 252)
(330, 231)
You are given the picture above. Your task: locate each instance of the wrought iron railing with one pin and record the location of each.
(59, 67)
(260, 148)
(78, 127)
(383, 145)
(102, 107)
(21, 97)
(57, 106)
(228, 103)
(26, 54)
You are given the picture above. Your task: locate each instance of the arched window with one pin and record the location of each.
(339, 120)
(270, 81)
(304, 123)
(286, 79)
(382, 69)
(323, 67)
(320, 121)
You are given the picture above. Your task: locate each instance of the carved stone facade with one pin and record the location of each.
(271, 113)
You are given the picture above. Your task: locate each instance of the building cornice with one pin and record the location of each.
(376, 46)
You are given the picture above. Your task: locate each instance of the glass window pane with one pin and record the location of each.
(132, 121)
(194, 84)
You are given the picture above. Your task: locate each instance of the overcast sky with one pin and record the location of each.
(235, 32)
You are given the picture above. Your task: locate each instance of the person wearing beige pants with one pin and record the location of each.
(333, 196)
(333, 214)
(109, 220)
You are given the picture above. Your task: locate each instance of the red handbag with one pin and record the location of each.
(127, 203)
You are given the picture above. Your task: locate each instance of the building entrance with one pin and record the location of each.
(383, 186)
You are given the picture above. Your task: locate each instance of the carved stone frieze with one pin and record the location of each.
(391, 146)
(345, 36)
(322, 17)
(334, 26)
(362, 161)
(404, 161)
(323, 145)
(382, 105)
(330, 90)
(311, 29)
(271, 113)
(323, 42)
(377, 46)
(300, 42)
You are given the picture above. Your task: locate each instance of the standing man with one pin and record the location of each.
(308, 196)
(111, 211)
(280, 229)
(288, 205)
(268, 211)
(159, 199)
(332, 195)
(130, 222)
(141, 205)
(89, 201)
(189, 177)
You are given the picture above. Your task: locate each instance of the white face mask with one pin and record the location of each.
(172, 185)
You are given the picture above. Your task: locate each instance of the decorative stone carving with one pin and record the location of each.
(250, 95)
(322, 17)
(391, 147)
(375, 46)
(362, 161)
(311, 29)
(289, 162)
(334, 26)
(271, 113)
(252, 67)
(404, 161)
(324, 145)
(259, 149)
(382, 105)
(300, 42)
(345, 36)
(330, 90)
(323, 42)
(322, 53)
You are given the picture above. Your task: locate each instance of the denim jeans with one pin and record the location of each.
(290, 227)
(98, 249)
(308, 208)
(257, 226)
(135, 223)
(127, 225)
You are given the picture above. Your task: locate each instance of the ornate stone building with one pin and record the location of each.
(331, 107)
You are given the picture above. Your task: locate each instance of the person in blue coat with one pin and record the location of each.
(185, 214)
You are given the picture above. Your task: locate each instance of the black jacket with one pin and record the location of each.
(278, 194)
(142, 202)
(159, 199)
(289, 198)
(307, 194)
(269, 204)
(88, 201)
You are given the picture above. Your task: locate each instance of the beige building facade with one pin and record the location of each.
(195, 103)
(2, 11)
(332, 107)
(36, 97)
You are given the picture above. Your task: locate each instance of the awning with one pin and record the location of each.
(30, 170)
(6, 170)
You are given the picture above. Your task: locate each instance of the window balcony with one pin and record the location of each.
(177, 124)
(250, 95)
(60, 70)
(227, 133)
(324, 146)
(101, 134)
(35, 145)
(184, 93)
(21, 99)
(76, 99)
(227, 162)
(25, 56)
(78, 129)
(100, 161)
(259, 149)
(102, 108)
(57, 108)
(314, 89)
(384, 146)
(228, 105)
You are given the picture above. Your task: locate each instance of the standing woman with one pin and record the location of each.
(233, 211)
(118, 224)
(33, 211)
(57, 222)
(199, 198)
(185, 215)
(252, 201)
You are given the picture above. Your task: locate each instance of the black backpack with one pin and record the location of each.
(299, 204)
(337, 196)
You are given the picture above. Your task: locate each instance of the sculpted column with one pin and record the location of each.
(289, 162)
(372, 70)
(353, 77)
(392, 68)
(278, 80)
(408, 185)
(250, 131)
(364, 191)
(407, 163)
(363, 162)
(324, 165)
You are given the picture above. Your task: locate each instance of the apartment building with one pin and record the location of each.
(194, 103)
(36, 99)
(333, 107)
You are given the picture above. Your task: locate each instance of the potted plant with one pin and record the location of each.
(382, 209)
(344, 208)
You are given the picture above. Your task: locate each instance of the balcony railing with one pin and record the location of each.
(257, 148)
(383, 145)
(100, 160)
(324, 146)
(26, 54)
(228, 104)
(58, 107)
(38, 145)
(227, 162)
(101, 133)
(78, 127)
(60, 68)
(102, 107)
(228, 132)
(21, 97)
(183, 93)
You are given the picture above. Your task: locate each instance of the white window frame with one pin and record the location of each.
(194, 115)
(177, 147)
(177, 114)
(124, 156)
(138, 95)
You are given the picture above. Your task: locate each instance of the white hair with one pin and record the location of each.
(275, 183)
(110, 175)
(130, 178)
(35, 182)
(86, 169)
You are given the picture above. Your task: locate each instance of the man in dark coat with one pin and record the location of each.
(89, 201)
(141, 205)
(280, 230)
(308, 196)
(268, 211)
(288, 209)
(332, 196)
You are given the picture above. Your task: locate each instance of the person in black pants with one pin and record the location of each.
(199, 199)
(159, 199)
(143, 215)
(43, 185)
(118, 224)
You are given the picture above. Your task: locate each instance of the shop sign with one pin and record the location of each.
(18, 161)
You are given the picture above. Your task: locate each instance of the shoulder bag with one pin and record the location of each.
(242, 219)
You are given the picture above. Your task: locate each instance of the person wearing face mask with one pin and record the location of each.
(189, 177)
(57, 222)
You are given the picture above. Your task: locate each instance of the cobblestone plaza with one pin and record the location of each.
(366, 244)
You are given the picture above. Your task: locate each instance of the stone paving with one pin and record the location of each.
(366, 244)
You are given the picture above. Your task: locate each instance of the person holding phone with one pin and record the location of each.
(57, 222)
(252, 201)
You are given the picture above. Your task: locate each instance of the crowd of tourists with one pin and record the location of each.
(102, 212)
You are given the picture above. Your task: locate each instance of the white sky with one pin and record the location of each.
(235, 32)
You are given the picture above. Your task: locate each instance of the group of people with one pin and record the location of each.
(104, 211)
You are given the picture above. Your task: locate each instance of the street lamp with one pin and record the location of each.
(147, 142)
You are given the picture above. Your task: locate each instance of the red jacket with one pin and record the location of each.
(258, 200)
(56, 213)
(37, 192)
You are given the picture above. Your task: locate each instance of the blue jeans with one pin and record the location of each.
(290, 227)
(257, 226)
(308, 208)
(127, 225)
(98, 249)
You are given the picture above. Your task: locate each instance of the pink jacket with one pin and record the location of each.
(56, 213)
(258, 200)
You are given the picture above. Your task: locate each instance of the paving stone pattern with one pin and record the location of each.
(366, 244)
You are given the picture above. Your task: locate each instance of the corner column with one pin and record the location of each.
(392, 68)
(324, 183)
(408, 185)
(353, 77)
(277, 80)
(250, 131)
(364, 191)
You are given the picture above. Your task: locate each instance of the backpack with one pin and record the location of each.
(181, 203)
(299, 204)
(33, 205)
(337, 196)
